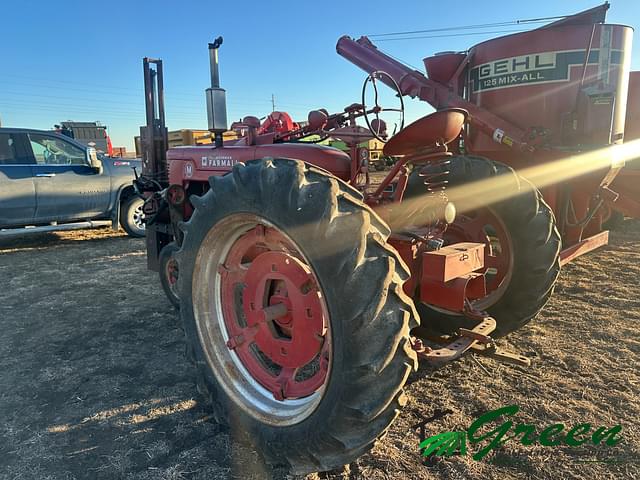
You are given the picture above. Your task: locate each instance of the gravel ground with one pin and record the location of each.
(94, 383)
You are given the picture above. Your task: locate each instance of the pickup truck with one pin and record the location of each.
(51, 182)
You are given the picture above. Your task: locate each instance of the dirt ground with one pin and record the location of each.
(94, 383)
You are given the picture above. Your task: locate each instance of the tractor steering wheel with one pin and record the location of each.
(377, 129)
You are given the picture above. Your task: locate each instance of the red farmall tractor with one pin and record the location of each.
(307, 290)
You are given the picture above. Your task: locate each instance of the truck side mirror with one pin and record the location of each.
(94, 161)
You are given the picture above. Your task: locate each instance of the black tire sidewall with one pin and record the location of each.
(126, 217)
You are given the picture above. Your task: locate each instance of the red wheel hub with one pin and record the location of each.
(274, 314)
(294, 340)
(172, 271)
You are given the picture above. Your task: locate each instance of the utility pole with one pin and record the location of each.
(273, 103)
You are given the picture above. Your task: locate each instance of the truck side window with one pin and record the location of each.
(54, 151)
(7, 150)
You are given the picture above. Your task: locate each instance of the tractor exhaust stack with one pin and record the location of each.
(216, 97)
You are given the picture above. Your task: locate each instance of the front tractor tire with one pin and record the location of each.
(169, 273)
(294, 313)
(522, 254)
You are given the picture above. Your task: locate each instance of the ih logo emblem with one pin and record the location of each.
(544, 67)
(188, 170)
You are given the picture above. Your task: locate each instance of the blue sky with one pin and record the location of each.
(81, 60)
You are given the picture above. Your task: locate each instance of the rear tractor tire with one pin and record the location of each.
(522, 257)
(294, 313)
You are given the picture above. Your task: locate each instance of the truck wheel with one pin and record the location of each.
(169, 273)
(132, 217)
(292, 304)
(522, 254)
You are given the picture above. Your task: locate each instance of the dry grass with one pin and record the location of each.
(94, 384)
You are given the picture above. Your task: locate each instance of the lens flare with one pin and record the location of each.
(481, 193)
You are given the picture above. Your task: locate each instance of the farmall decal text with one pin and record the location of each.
(541, 67)
(218, 161)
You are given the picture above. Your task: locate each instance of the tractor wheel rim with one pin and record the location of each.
(137, 216)
(498, 254)
(262, 319)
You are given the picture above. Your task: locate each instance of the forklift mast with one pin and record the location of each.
(154, 144)
(153, 136)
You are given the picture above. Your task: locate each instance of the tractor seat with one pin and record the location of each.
(429, 132)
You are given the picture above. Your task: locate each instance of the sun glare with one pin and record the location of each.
(481, 193)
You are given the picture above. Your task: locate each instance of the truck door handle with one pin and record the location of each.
(47, 175)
